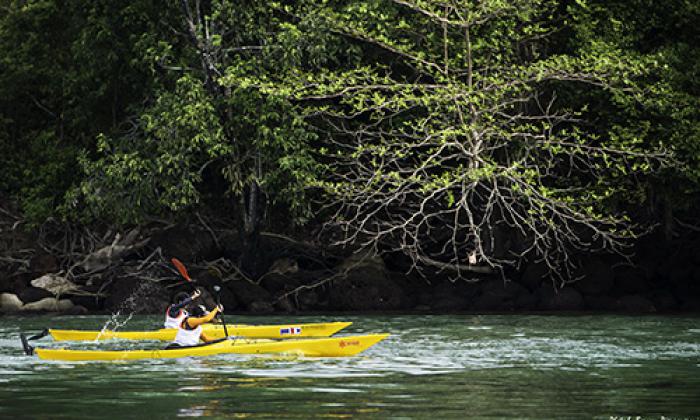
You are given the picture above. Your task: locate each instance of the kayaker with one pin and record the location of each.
(190, 330)
(176, 312)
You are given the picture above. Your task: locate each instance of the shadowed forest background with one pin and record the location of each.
(351, 155)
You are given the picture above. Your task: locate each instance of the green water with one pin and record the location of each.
(436, 367)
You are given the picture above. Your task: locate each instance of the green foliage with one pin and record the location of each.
(160, 165)
(111, 109)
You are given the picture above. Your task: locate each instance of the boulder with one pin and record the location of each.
(284, 305)
(10, 303)
(49, 304)
(246, 293)
(277, 282)
(141, 296)
(597, 277)
(499, 295)
(261, 307)
(187, 243)
(635, 303)
(77, 310)
(90, 303)
(364, 285)
(566, 299)
(33, 294)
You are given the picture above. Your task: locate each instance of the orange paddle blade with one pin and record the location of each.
(181, 268)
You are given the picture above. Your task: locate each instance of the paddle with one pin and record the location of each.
(28, 350)
(217, 289)
(42, 334)
(181, 268)
(183, 272)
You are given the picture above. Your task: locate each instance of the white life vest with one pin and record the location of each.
(186, 337)
(175, 322)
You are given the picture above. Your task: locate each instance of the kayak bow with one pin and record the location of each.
(212, 331)
(318, 347)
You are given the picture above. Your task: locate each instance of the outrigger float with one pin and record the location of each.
(213, 331)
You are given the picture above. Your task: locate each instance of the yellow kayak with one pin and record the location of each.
(212, 331)
(313, 347)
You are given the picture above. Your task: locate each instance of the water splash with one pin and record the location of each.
(129, 307)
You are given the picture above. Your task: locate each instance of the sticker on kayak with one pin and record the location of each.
(345, 343)
(290, 331)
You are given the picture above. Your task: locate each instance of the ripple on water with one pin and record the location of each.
(440, 367)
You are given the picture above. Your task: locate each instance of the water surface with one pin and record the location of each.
(489, 366)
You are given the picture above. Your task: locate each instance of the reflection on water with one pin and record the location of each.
(431, 367)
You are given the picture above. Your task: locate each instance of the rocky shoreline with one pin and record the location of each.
(132, 273)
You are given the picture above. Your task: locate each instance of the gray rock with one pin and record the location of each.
(364, 285)
(33, 294)
(10, 303)
(50, 304)
(247, 292)
(77, 310)
(261, 307)
(277, 282)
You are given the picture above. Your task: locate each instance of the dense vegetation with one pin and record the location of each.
(469, 136)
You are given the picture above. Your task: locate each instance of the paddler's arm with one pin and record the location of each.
(177, 306)
(195, 322)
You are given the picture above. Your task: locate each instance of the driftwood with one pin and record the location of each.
(108, 255)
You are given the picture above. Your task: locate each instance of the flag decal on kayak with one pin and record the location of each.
(290, 331)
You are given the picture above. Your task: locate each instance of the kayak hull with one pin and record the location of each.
(212, 331)
(314, 347)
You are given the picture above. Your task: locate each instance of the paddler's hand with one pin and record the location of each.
(196, 294)
(220, 308)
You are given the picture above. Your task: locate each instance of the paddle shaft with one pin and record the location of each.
(218, 302)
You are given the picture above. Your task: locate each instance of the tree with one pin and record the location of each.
(448, 141)
(68, 71)
(214, 125)
(668, 111)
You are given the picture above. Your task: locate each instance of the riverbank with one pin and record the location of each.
(131, 272)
